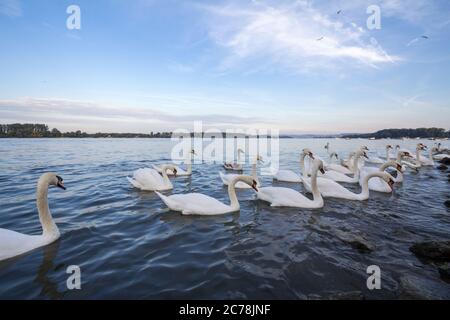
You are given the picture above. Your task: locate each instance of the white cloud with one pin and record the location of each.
(11, 8)
(286, 35)
(85, 115)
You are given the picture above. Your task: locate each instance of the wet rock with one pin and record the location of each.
(413, 287)
(433, 250)
(356, 241)
(444, 272)
(447, 203)
(350, 295)
(442, 167)
(445, 161)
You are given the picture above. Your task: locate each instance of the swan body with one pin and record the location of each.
(286, 197)
(179, 171)
(235, 166)
(427, 161)
(14, 243)
(441, 156)
(331, 189)
(375, 160)
(377, 183)
(150, 180)
(340, 177)
(201, 204)
(289, 175)
(228, 178)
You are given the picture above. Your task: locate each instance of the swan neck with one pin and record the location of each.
(234, 203)
(317, 196)
(365, 185)
(254, 172)
(165, 176)
(49, 227)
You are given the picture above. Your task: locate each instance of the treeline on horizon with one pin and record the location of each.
(403, 133)
(29, 130)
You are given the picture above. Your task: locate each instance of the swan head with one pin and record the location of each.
(318, 165)
(364, 148)
(389, 179)
(398, 166)
(406, 154)
(308, 153)
(388, 147)
(52, 179)
(361, 153)
(169, 167)
(421, 146)
(259, 158)
(248, 180)
(193, 152)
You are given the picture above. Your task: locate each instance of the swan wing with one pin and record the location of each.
(338, 168)
(134, 183)
(14, 243)
(149, 179)
(283, 197)
(337, 176)
(331, 189)
(287, 176)
(375, 160)
(195, 203)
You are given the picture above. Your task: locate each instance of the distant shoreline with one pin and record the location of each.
(39, 131)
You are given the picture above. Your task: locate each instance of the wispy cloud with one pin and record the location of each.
(73, 114)
(286, 35)
(11, 8)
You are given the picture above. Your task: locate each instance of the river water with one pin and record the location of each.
(129, 245)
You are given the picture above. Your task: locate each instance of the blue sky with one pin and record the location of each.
(149, 65)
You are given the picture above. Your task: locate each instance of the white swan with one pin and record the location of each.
(150, 180)
(377, 183)
(286, 197)
(331, 189)
(235, 166)
(441, 156)
(228, 178)
(180, 171)
(336, 167)
(390, 155)
(289, 175)
(430, 160)
(201, 204)
(416, 163)
(13, 243)
(340, 177)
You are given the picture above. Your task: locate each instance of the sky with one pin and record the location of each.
(159, 65)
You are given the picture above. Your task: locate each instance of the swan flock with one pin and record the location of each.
(322, 178)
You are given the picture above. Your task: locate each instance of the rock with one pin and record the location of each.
(442, 167)
(351, 295)
(444, 271)
(413, 287)
(356, 241)
(433, 250)
(445, 161)
(447, 203)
